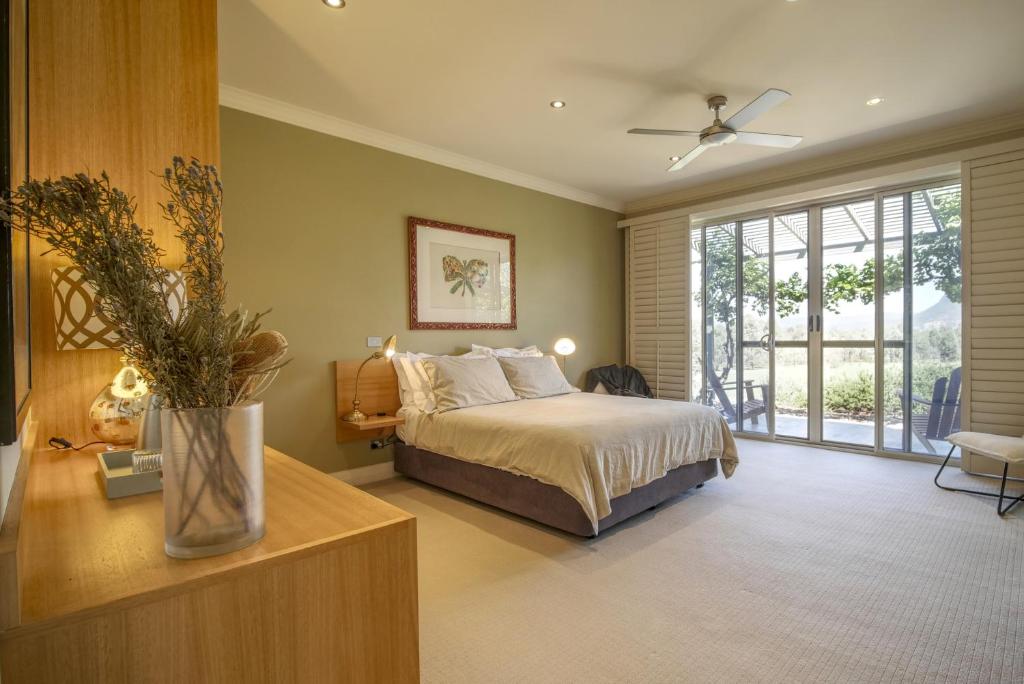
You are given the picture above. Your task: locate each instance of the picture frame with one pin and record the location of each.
(460, 277)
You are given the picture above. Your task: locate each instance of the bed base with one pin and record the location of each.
(537, 501)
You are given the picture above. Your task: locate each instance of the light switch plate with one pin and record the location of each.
(374, 342)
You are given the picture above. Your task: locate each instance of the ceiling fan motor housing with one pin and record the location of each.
(717, 135)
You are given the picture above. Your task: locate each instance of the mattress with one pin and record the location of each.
(593, 447)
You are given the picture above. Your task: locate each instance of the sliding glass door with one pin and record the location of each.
(800, 335)
(921, 318)
(792, 324)
(847, 322)
(754, 362)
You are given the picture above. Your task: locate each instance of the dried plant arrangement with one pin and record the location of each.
(205, 357)
(206, 365)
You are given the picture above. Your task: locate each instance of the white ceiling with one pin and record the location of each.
(475, 77)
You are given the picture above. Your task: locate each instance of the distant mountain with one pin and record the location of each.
(942, 311)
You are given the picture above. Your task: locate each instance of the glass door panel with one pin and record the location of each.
(895, 387)
(720, 319)
(755, 375)
(790, 249)
(934, 280)
(847, 322)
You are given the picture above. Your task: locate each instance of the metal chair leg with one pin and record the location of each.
(1002, 490)
(1002, 487)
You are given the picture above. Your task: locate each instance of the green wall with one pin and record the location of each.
(315, 229)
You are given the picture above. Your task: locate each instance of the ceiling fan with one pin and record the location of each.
(719, 133)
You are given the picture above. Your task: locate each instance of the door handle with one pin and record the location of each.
(766, 341)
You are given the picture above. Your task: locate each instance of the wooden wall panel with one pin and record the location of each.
(120, 86)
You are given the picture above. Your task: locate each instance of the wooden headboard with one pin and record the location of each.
(378, 391)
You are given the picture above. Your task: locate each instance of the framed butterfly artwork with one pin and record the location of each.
(460, 278)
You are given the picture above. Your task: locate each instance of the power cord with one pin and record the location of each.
(386, 442)
(61, 444)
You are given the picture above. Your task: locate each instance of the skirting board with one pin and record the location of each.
(367, 474)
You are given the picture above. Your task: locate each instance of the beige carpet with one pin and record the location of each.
(808, 565)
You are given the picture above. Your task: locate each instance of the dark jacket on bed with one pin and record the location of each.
(624, 381)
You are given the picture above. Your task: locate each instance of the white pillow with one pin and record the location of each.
(404, 388)
(532, 378)
(532, 350)
(414, 388)
(462, 382)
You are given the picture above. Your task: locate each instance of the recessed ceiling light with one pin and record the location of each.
(557, 104)
(674, 158)
(875, 101)
(336, 4)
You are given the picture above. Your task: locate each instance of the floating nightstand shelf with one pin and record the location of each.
(372, 423)
(378, 393)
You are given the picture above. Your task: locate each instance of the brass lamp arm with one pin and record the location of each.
(371, 357)
(356, 415)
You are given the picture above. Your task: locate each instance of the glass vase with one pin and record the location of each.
(213, 479)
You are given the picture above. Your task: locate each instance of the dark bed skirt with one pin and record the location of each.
(533, 499)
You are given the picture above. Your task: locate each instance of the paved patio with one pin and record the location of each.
(846, 431)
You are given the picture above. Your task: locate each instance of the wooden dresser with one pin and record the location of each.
(328, 595)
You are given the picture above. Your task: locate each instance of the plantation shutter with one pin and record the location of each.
(993, 254)
(658, 280)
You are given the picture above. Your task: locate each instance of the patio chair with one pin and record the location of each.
(943, 417)
(752, 407)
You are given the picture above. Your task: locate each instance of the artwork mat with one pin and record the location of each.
(423, 316)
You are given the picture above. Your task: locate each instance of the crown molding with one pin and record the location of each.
(901, 149)
(253, 103)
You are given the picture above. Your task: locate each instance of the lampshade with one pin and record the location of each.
(78, 317)
(565, 346)
(389, 346)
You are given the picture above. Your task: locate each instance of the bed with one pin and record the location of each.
(577, 462)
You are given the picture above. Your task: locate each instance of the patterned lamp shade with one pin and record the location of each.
(76, 311)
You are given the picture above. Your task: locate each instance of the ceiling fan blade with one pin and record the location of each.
(765, 101)
(767, 139)
(688, 157)
(662, 131)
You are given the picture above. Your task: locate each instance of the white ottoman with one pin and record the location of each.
(1001, 448)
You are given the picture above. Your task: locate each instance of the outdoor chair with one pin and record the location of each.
(943, 417)
(752, 405)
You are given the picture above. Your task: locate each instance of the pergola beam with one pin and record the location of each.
(855, 246)
(793, 231)
(752, 246)
(856, 222)
(932, 211)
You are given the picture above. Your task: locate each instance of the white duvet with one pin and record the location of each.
(594, 447)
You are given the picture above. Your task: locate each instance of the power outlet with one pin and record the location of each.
(374, 342)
